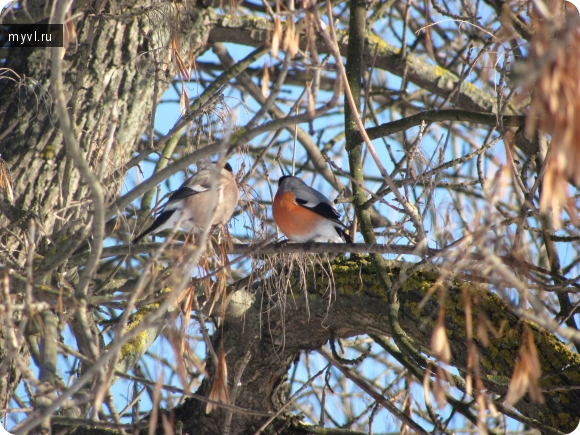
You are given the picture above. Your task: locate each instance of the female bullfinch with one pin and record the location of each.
(304, 214)
(189, 204)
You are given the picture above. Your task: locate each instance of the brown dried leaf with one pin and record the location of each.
(174, 43)
(294, 46)
(219, 290)
(310, 25)
(468, 384)
(276, 36)
(175, 49)
(176, 339)
(265, 81)
(5, 181)
(554, 108)
(219, 389)
(519, 382)
(535, 369)
(473, 372)
(482, 334)
(499, 332)
(184, 101)
(181, 67)
(467, 309)
(527, 372)
(427, 385)
(192, 64)
(288, 35)
(439, 341)
(69, 35)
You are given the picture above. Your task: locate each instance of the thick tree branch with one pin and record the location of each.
(254, 32)
(440, 116)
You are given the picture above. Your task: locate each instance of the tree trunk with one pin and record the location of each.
(113, 77)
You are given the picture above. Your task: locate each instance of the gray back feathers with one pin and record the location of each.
(302, 191)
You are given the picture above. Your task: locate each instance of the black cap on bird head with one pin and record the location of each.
(227, 166)
(282, 178)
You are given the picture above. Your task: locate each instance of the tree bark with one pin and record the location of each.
(115, 75)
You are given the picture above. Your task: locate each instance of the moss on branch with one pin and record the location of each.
(356, 280)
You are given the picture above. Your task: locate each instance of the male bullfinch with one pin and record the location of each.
(304, 214)
(189, 204)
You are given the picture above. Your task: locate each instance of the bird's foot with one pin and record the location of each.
(281, 243)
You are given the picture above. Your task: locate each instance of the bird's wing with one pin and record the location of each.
(184, 192)
(159, 221)
(200, 182)
(324, 209)
(315, 201)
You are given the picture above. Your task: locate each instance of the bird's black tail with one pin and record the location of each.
(161, 219)
(139, 237)
(345, 236)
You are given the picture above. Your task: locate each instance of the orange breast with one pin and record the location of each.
(293, 219)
